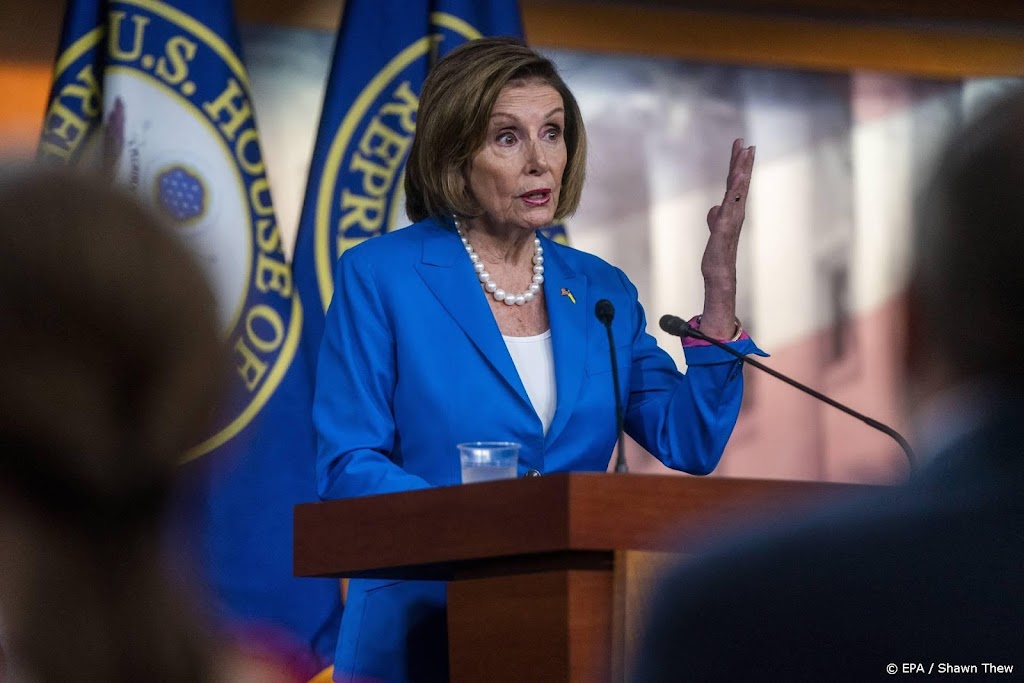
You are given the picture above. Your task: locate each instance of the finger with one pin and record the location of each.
(737, 148)
(736, 192)
(713, 215)
(733, 206)
(739, 181)
(742, 166)
(745, 161)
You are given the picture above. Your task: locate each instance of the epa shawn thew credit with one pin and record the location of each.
(945, 668)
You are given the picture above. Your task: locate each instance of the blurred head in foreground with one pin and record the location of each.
(966, 312)
(109, 356)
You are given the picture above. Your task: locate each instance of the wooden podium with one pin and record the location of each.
(548, 575)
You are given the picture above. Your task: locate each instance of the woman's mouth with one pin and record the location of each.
(536, 197)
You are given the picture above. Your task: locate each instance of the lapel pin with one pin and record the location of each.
(566, 292)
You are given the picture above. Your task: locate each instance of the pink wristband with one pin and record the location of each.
(694, 322)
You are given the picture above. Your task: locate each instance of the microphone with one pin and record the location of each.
(680, 328)
(605, 312)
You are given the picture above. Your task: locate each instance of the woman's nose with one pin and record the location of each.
(537, 161)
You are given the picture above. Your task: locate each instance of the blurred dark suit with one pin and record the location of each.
(931, 572)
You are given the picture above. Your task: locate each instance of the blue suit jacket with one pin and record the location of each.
(412, 363)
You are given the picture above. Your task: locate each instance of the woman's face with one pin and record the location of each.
(516, 175)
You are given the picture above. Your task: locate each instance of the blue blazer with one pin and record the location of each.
(412, 363)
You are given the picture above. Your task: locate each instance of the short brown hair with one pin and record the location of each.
(455, 109)
(110, 362)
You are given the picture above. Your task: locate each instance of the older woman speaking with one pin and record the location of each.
(469, 325)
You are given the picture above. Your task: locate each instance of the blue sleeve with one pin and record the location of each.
(355, 385)
(684, 420)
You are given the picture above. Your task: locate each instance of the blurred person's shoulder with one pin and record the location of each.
(928, 568)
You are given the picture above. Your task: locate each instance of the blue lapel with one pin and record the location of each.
(569, 328)
(448, 273)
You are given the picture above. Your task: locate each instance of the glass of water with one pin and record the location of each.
(488, 460)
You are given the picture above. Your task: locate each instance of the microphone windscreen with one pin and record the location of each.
(604, 311)
(674, 325)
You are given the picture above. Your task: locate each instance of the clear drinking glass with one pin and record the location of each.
(488, 460)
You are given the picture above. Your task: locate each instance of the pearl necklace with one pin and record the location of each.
(497, 292)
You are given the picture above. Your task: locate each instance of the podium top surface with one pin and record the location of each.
(435, 533)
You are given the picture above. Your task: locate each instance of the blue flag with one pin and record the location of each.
(383, 52)
(156, 95)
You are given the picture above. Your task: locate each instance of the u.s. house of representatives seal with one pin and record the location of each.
(180, 119)
(360, 192)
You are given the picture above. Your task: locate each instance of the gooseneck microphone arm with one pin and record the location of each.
(680, 328)
(605, 312)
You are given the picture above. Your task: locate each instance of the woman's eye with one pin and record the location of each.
(506, 138)
(552, 133)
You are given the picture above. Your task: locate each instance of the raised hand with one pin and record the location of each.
(718, 265)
